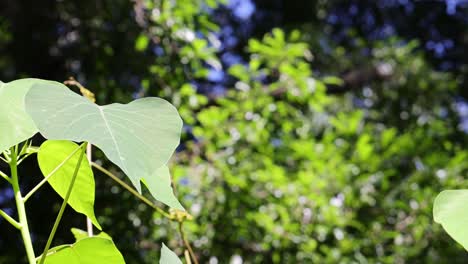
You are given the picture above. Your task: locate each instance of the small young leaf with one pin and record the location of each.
(168, 257)
(451, 211)
(51, 154)
(139, 137)
(90, 250)
(15, 124)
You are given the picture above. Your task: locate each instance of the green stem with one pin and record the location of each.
(25, 146)
(24, 157)
(27, 151)
(23, 221)
(131, 190)
(10, 219)
(64, 205)
(32, 149)
(4, 176)
(89, 223)
(6, 156)
(4, 160)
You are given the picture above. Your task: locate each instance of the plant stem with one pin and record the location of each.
(4, 176)
(64, 204)
(89, 223)
(10, 219)
(6, 156)
(46, 178)
(187, 257)
(148, 202)
(24, 157)
(131, 190)
(23, 221)
(4, 160)
(186, 242)
(32, 149)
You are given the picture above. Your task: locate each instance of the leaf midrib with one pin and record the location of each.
(113, 138)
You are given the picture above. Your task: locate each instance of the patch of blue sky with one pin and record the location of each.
(242, 9)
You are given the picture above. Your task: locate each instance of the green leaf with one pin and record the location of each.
(139, 137)
(80, 234)
(168, 257)
(451, 211)
(160, 187)
(52, 154)
(89, 250)
(332, 80)
(15, 124)
(141, 43)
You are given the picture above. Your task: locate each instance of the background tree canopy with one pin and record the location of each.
(314, 131)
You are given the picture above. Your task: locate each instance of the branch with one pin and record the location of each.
(187, 243)
(12, 221)
(85, 92)
(4, 176)
(4, 160)
(358, 77)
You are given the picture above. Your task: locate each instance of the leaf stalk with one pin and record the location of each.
(131, 190)
(10, 219)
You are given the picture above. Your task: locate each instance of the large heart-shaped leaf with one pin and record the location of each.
(168, 257)
(15, 124)
(55, 153)
(139, 137)
(90, 250)
(451, 211)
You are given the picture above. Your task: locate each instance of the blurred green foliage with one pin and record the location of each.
(284, 173)
(316, 154)
(181, 52)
